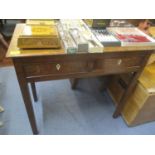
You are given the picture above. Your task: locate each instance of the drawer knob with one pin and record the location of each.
(58, 66)
(119, 62)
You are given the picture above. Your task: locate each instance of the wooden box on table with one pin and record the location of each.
(38, 36)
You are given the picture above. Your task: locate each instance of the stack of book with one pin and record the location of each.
(82, 36)
(79, 39)
(69, 44)
(131, 36)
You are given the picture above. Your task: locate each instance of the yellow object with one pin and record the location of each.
(39, 37)
(36, 30)
(151, 59)
(15, 52)
(152, 31)
(89, 22)
(147, 78)
(47, 22)
(140, 107)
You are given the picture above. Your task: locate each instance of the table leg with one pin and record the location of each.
(130, 88)
(26, 96)
(105, 81)
(74, 83)
(34, 92)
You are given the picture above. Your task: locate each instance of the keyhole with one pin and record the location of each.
(58, 66)
(119, 62)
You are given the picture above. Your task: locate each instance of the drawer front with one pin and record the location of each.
(96, 66)
(114, 65)
(57, 68)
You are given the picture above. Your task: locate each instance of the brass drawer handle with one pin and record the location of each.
(58, 66)
(119, 62)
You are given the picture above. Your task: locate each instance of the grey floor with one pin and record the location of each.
(61, 110)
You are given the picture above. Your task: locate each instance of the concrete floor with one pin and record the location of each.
(61, 110)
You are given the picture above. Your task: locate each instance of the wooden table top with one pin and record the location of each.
(14, 51)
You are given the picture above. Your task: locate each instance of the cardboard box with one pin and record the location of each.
(140, 107)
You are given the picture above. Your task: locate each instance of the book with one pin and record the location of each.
(80, 41)
(131, 36)
(94, 45)
(46, 22)
(97, 23)
(82, 35)
(69, 44)
(106, 38)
